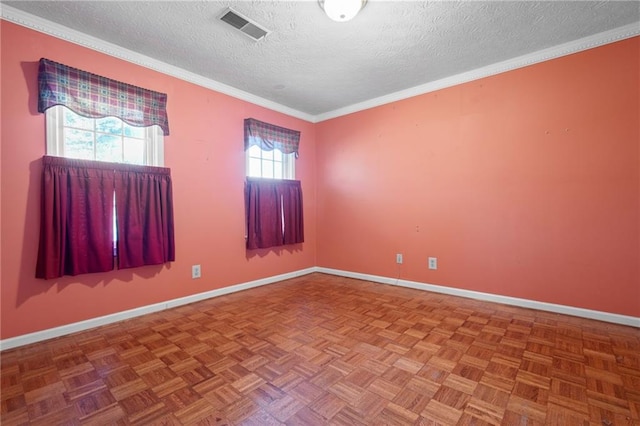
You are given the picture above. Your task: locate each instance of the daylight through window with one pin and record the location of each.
(270, 164)
(103, 139)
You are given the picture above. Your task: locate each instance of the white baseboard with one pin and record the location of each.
(488, 297)
(50, 333)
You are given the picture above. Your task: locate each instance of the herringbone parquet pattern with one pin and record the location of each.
(327, 350)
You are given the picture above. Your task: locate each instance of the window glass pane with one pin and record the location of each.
(267, 169)
(78, 144)
(290, 165)
(109, 148)
(254, 167)
(72, 119)
(277, 170)
(110, 125)
(255, 151)
(133, 132)
(134, 151)
(267, 155)
(270, 164)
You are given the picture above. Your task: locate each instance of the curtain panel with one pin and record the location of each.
(76, 235)
(269, 137)
(273, 211)
(94, 96)
(144, 213)
(76, 219)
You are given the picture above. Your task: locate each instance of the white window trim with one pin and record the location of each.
(154, 154)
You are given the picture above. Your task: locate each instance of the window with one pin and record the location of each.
(271, 150)
(273, 198)
(110, 139)
(270, 164)
(104, 139)
(83, 199)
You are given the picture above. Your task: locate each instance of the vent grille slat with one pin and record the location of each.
(234, 20)
(254, 31)
(244, 24)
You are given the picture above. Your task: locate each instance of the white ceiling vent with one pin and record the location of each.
(244, 24)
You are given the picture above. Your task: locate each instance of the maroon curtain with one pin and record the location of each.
(263, 211)
(273, 213)
(76, 219)
(144, 214)
(76, 230)
(291, 193)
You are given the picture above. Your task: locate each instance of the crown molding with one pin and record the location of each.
(59, 31)
(65, 33)
(593, 41)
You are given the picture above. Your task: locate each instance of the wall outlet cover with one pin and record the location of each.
(196, 271)
(433, 263)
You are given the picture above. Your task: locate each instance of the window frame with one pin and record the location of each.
(54, 123)
(288, 168)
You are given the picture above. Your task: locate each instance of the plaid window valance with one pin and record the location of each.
(94, 96)
(269, 137)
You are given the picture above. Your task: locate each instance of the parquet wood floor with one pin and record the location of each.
(321, 349)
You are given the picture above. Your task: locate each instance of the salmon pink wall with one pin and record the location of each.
(524, 184)
(205, 154)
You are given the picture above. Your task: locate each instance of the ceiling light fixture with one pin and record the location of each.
(342, 10)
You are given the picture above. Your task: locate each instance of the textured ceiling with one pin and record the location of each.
(314, 65)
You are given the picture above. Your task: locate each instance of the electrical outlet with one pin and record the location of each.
(433, 263)
(196, 272)
(399, 258)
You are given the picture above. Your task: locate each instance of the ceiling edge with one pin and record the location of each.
(36, 23)
(590, 42)
(59, 31)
